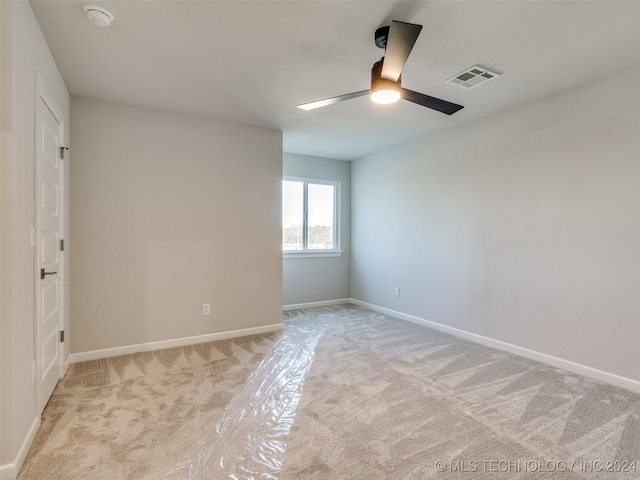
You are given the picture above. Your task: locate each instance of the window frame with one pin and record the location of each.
(306, 252)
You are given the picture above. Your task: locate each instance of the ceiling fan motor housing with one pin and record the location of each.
(379, 83)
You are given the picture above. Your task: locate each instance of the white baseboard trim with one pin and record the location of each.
(9, 471)
(177, 342)
(568, 365)
(67, 364)
(325, 303)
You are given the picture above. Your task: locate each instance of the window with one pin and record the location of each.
(309, 216)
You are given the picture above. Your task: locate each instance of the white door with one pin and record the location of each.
(48, 255)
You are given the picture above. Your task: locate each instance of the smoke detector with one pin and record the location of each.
(472, 77)
(98, 15)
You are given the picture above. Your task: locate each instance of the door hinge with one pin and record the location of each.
(62, 244)
(61, 336)
(62, 149)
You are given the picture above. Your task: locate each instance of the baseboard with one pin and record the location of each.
(9, 471)
(177, 342)
(568, 365)
(325, 303)
(67, 364)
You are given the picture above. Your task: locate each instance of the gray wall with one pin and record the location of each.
(170, 212)
(24, 53)
(523, 227)
(307, 280)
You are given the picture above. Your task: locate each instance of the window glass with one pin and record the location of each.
(292, 215)
(320, 219)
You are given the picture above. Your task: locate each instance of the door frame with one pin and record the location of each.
(43, 93)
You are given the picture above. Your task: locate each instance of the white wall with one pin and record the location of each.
(170, 212)
(24, 52)
(5, 168)
(308, 280)
(523, 227)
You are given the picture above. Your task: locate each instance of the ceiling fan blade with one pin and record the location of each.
(430, 102)
(402, 38)
(332, 100)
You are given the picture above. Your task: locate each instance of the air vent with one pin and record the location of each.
(472, 77)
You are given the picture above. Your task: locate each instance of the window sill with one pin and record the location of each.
(312, 254)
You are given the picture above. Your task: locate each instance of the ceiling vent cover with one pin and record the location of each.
(472, 77)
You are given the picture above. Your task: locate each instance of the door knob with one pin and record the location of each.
(44, 274)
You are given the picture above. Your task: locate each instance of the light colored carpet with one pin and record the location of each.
(383, 399)
(387, 399)
(135, 416)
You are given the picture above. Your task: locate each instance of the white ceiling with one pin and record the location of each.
(253, 61)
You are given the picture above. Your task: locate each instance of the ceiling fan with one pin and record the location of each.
(397, 40)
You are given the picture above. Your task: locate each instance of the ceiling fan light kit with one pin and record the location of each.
(383, 90)
(385, 96)
(397, 40)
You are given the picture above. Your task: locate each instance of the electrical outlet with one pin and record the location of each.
(396, 291)
(206, 309)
